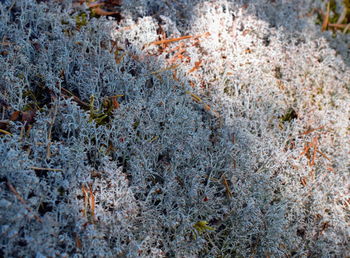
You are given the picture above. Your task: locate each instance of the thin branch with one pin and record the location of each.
(19, 197)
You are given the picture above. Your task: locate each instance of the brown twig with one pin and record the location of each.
(338, 26)
(46, 169)
(69, 94)
(19, 197)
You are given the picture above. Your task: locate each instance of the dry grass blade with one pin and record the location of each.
(194, 97)
(346, 29)
(338, 26)
(5, 132)
(326, 17)
(227, 187)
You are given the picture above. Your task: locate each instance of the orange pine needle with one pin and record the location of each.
(330, 169)
(312, 130)
(175, 76)
(306, 149)
(165, 41)
(196, 66)
(303, 181)
(323, 155)
(206, 107)
(115, 102)
(314, 145)
(85, 200)
(178, 56)
(174, 49)
(92, 204)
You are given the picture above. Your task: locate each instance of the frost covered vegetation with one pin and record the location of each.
(129, 139)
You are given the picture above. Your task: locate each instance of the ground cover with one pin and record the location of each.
(178, 129)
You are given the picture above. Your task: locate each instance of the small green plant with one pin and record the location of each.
(200, 228)
(102, 116)
(81, 20)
